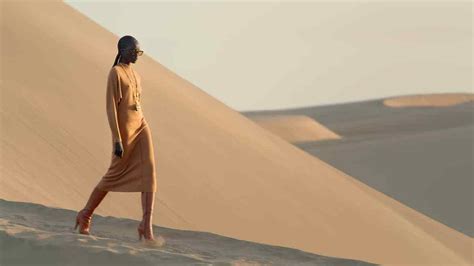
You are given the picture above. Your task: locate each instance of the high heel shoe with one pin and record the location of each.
(145, 228)
(83, 219)
(141, 229)
(84, 216)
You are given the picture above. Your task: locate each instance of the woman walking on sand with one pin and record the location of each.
(132, 166)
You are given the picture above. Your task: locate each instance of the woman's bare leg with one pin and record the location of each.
(148, 199)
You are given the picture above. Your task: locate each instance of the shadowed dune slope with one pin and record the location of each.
(295, 128)
(217, 170)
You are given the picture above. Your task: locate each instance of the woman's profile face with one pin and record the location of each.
(130, 54)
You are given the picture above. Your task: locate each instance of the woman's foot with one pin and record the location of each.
(83, 220)
(84, 216)
(141, 230)
(156, 242)
(145, 228)
(159, 241)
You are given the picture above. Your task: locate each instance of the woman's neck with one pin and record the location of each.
(124, 63)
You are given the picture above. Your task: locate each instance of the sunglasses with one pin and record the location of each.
(137, 51)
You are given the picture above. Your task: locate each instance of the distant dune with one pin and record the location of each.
(421, 156)
(439, 99)
(295, 128)
(217, 170)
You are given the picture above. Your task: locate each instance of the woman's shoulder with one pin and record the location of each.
(114, 73)
(114, 70)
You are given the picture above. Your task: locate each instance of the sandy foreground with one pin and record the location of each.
(218, 171)
(45, 234)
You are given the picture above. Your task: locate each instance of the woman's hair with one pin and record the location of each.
(124, 42)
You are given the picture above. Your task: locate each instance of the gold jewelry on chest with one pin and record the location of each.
(136, 93)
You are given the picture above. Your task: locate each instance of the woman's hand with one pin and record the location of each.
(118, 151)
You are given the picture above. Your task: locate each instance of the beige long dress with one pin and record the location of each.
(135, 171)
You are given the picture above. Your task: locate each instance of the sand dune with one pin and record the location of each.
(417, 155)
(372, 118)
(295, 128)
(45, 234)
(428, 171)
(217, 170)
(439, 99)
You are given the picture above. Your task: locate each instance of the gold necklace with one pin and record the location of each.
(136, 94)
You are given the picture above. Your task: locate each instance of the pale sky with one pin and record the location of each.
(274, 55)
